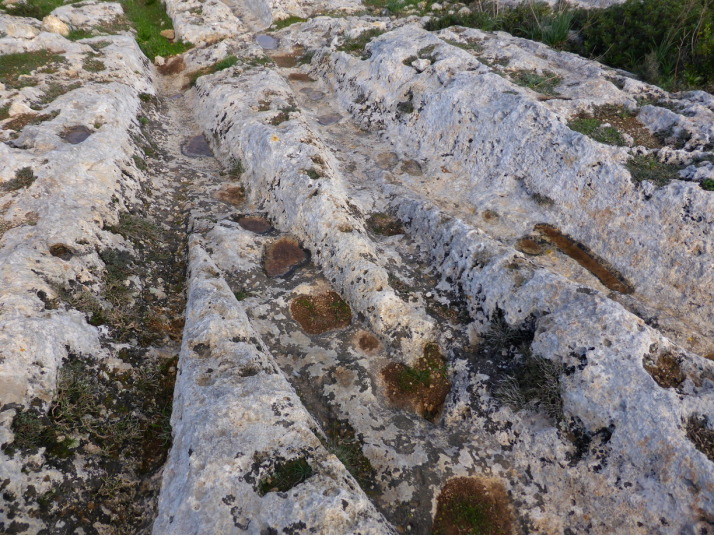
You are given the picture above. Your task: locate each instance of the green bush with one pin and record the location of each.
(668, 42)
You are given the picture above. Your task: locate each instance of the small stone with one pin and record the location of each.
(168, 34)
(436, 6)
(464, 11)
(283, 256)
(421, 64)
(54, 25)
(159, 61)
(20, 108)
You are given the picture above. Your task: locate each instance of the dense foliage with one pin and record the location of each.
(667, 42)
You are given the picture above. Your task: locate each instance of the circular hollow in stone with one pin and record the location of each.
(473, 505)
(422, 387)
(366, 342)
(384, 224)
(412, 167)
(267, 42)
(255, 223)
(60, 250)
(76, 134)
(300, 77)
(330, 118)
(285, 60)
(233, 195)
(283, 256)
(386, 160)
(317, 314)
(196, 147)
(489, 215)
(312, 94)
(530, 246)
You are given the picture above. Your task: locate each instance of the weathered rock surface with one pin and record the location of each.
(492, 300)
(236, 418)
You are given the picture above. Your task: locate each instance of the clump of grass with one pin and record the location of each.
(284, 115)
(356, 46)
(313, 173)
(472, 506)
(285, 476)
(21, 121)
(707, 184)
(135, 228)
(56, 90)
(595, 129)
(343, 442)
(23, 179)
(77, 34)
(149, 18)
(91, 64)
(236, 168)
(15, 65)
(221, 65)
(648, 167)
(542, 83)
(701, 435)
(535, 383)
(284, 23)
(4, 112)
(37, 9)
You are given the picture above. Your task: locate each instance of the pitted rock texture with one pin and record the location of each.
(494, 315)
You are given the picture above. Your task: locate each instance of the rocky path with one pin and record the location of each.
(377, 272)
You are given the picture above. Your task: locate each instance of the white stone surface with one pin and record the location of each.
(90, 14)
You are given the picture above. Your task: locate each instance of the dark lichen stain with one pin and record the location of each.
(317, 314)
(283, 256)
(421, 388)
(468, 506)
(61, 251)
(255, 223)
(233, 195)
(412, 167)
(196, 147)
(606, 274)
(76, 134)
(666, 370)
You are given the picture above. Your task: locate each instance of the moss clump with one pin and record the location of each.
(648, 167)
(23, 179)
(544, 83)
(384, 224)
(285, 476)
(284, 23)
(91, 64)
(422, 387)
(317, 314)
(470, 506)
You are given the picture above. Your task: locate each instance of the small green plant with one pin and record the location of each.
(135, 228)
(242, 294)
(221, 65)
(76, 34)
(306, 58)
(356, 46)
(236, 168)
(285, 476)
(284, 23)
(542, 83)
(707, 184)
(648, 167)
(23, 179)
(313, 173)
(595, 129)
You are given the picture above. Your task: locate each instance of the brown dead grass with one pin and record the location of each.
(666, 370)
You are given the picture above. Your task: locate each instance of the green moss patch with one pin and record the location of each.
(544, 83)
(648, 167)
(472, 506)
(13, 66)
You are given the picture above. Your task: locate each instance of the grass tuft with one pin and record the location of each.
(285, 476)
(149, 18)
